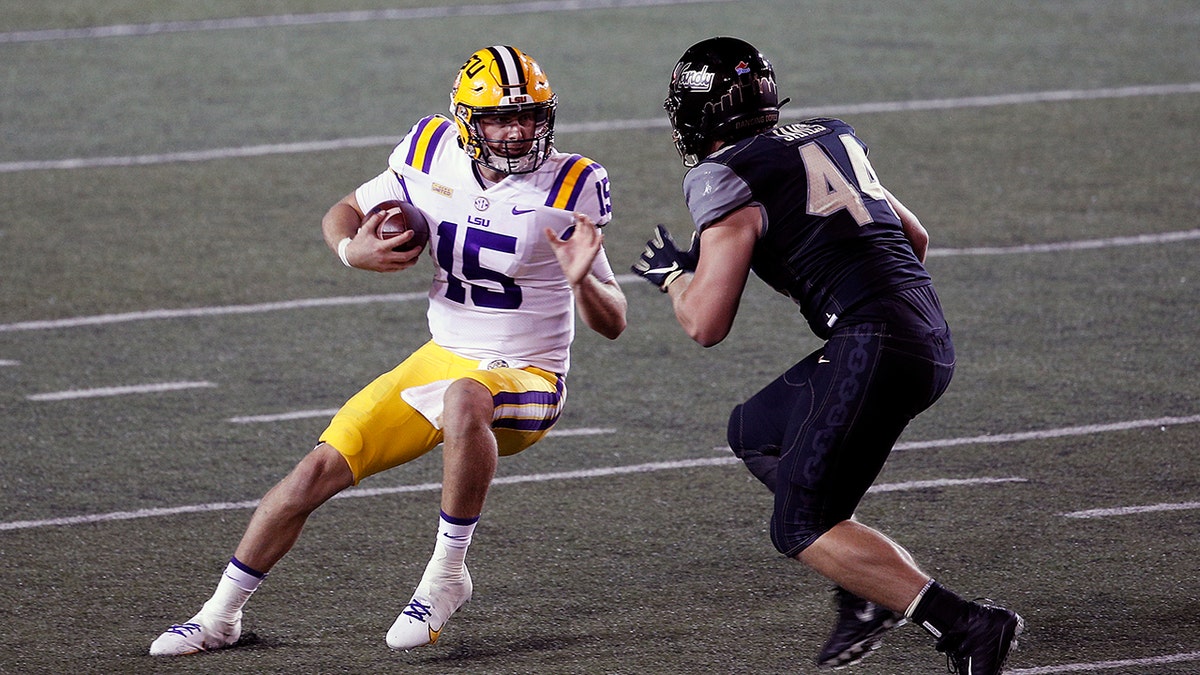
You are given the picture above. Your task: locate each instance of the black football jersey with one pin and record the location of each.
(831, 241)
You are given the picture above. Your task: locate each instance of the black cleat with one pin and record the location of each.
(859, 630)
(982, 640)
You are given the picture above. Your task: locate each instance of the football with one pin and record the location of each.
(402, 217)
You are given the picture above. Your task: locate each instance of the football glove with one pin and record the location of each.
(662, 262)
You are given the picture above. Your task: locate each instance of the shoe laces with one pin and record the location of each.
(418, 610)
(184, 629)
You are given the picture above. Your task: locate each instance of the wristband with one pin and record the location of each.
(341, 251)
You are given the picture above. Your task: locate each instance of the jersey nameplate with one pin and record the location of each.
(800, 131)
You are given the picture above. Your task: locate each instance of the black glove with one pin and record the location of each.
(662, 262)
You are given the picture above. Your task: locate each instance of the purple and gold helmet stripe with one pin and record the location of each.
(530, 410)
(428, 135)
(569, 183)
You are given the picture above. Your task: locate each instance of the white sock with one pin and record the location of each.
(453, 539)
(237, 583)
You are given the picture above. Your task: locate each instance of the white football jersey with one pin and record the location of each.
(498, 291)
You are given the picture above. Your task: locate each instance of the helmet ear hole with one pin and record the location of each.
(468, 136)
(722, 89)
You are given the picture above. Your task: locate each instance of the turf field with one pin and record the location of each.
(173, 335)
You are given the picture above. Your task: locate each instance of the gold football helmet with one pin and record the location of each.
(502, 81)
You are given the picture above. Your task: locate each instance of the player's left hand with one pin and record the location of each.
(663, 261)
(578, 251)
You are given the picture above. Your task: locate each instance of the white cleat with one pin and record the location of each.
(422, 621)
(199, 634)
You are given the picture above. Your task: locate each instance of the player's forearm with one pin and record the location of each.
(339, 222)
(707, 323)
(602, 306)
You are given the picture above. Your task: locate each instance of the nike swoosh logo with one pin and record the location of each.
(435, 634)
(658, 270)
(822, 359)
(521, 212)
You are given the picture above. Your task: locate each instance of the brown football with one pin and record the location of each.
(401, 217)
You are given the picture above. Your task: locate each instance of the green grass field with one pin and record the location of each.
(1035, 140)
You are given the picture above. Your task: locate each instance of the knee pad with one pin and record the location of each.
(792, 538)
(761, 460)
(750, 449)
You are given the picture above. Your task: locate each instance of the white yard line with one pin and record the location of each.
(360, 16)
(940, 483)
(360, 492)
(155, 388)
(224, 310)
(612, 125)
(629, 469)
(1086, 244)
(1106, 665)
(1083, 430)
(581, 431)
(1132, 510)
(283, 417)
(330, 412)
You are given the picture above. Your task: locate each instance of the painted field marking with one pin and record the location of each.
(224, 310)
(283, 417)
(605, 126)
(1106, 665)
(330, 412)
(1087, 244)
(338, 301)
(1132, 510)
(642, 468)
(990, 101)
(581, 431)
(318, 18)
(942, 482)
(118, 391)
(360, 492)
(1084, 430)
(636, 468)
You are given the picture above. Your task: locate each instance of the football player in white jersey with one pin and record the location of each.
(515, 240)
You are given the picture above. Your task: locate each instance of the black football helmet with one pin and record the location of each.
(722, 89)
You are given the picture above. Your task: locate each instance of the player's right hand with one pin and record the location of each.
(662, 262)
(369, 251)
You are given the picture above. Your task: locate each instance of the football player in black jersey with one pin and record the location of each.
(801, 206)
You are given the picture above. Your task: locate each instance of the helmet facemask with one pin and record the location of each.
(690, 139)
(503, 82)
(508, 156)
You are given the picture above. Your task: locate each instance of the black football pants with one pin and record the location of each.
(820, 433)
